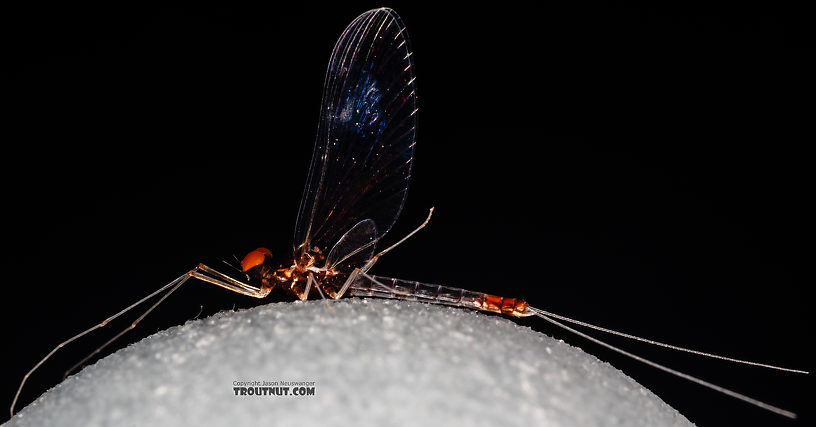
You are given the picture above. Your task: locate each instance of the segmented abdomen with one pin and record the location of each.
(387, 287)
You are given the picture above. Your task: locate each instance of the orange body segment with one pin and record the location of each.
(509, 306)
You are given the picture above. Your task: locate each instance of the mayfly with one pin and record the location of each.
(355, 190)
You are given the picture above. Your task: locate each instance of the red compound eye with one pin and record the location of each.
(255, 258)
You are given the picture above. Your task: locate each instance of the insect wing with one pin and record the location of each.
(365, 140)
(355, 248)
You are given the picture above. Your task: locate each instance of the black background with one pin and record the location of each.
(638, 167)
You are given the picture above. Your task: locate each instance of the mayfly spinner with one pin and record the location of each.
(355, 190)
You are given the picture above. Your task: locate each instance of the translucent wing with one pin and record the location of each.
(355, 248)
(365, 140)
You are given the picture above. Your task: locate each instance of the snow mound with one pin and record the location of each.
(368, 362)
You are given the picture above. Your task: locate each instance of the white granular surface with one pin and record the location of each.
(373, 363)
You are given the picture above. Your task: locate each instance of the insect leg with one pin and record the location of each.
(174, 285)
(309, 282)
(351, 278)
(132, 325)
(201, 272)
(320, 291)
(207, 274)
